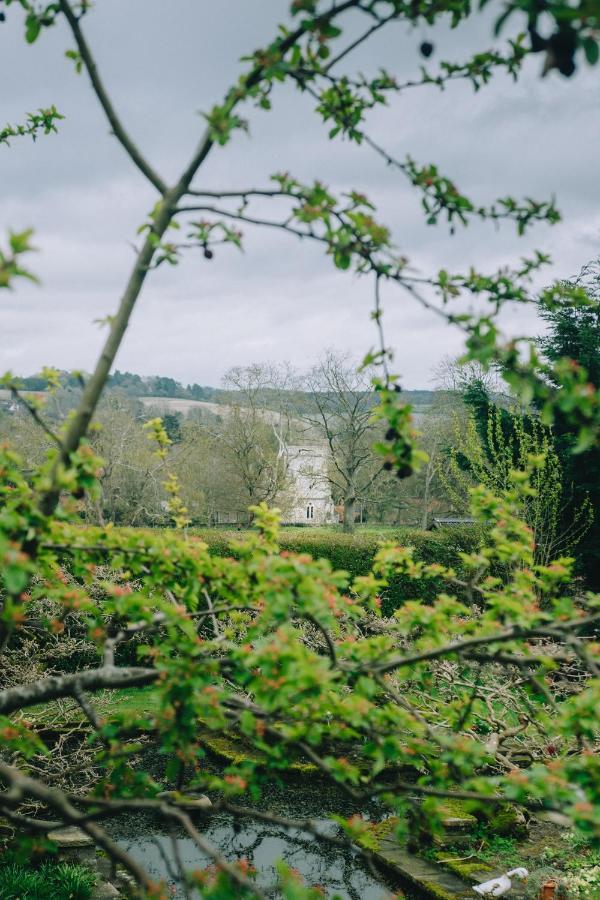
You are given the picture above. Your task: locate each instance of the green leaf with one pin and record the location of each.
(76, 57)
(342, 260)
(591, 50)
(15, 578)
(501, 21)
(33, 26)
(19, 241)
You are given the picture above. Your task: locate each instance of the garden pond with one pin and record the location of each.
(339, 871)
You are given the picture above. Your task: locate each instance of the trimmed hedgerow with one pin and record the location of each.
(354, 553)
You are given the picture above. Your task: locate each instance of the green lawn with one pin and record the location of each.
(140, 701)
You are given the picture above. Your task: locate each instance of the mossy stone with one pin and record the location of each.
(451, 809)
(438, 892)
(507, 821)
(467, 870)
(380, 831)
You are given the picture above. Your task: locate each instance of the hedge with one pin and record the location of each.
(354, 553)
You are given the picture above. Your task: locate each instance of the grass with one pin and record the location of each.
(303, 530)
(503, 851)
(563, 850)
(144, 701)
(140, 704)
(299, 532)
(365, 528)
(141, 701)
(549, 851)
(51, 881)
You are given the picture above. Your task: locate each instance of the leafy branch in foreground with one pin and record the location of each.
(19, 243)
(44, 120)
(401, 714)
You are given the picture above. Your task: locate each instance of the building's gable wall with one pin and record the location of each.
(312, 503)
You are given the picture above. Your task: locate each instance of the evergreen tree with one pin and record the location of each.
(490, 446)
(574, 333)
(172, 425)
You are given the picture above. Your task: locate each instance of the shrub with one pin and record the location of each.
(354, 553)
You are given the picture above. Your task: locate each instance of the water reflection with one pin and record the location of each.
(338, 871)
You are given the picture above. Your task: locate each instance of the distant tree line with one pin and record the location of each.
(470, 432)
(131, 384)
(163, 386)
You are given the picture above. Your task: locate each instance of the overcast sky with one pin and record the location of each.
(279, 300)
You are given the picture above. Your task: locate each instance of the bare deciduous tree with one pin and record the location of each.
(340, 413)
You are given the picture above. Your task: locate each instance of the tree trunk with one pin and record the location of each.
(426, 493)
(349, 514)
(425, 507)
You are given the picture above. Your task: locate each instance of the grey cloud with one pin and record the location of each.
(280, 300)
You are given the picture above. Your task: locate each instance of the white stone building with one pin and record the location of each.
(310, 501)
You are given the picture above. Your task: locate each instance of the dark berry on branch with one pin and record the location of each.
(390, 434)
(538, 43)
(566, 67)
(208, 253)
(561, 50)
(426, 49)
(2, 17)
(397, 388)
(404, 471)
(388, 466)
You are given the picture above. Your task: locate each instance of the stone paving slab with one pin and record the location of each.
(427, 877)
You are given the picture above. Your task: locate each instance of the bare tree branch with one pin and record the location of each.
(23, 695)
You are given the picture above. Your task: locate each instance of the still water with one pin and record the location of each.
(339, 871)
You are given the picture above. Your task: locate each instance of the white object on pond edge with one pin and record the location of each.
(498, 887)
